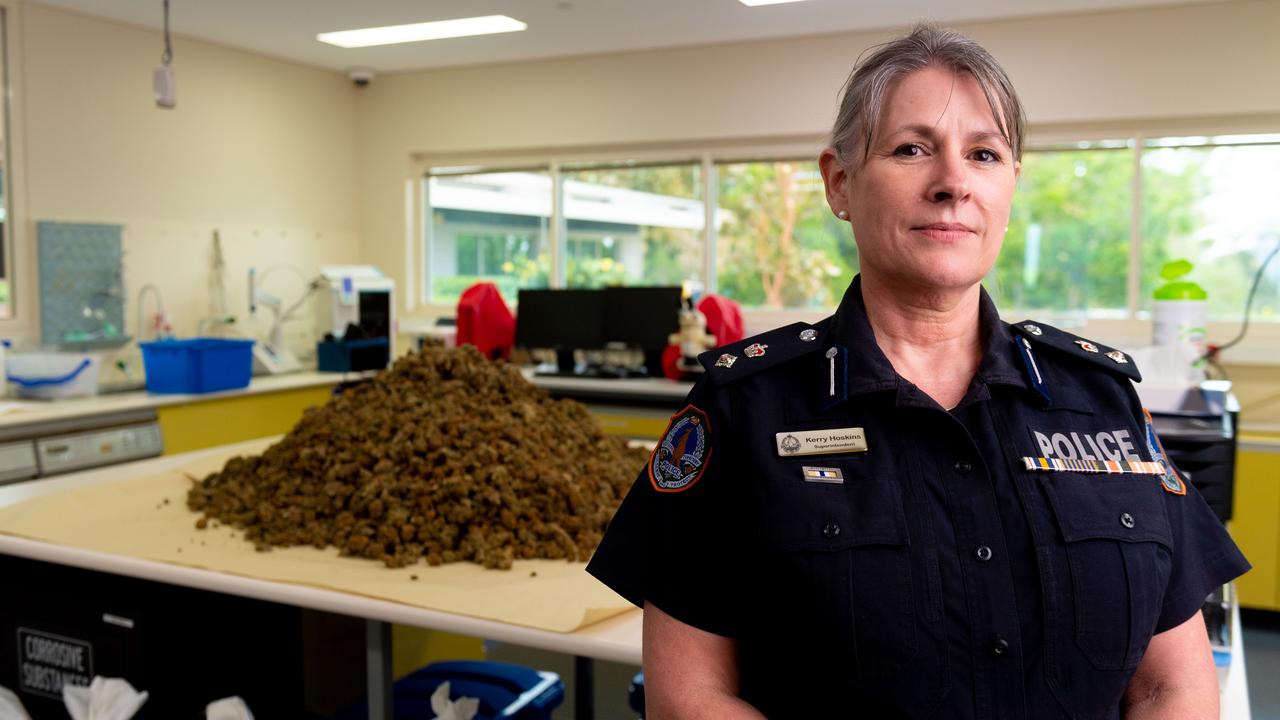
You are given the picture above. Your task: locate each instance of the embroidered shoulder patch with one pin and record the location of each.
(1169, 479)
(682, 455)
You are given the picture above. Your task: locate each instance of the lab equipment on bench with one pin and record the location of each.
(52, 375)
(357, 295)
(273, 356)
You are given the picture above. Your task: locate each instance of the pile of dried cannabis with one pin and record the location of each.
(445, 455)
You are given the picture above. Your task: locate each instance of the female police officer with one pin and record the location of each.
(912, 509)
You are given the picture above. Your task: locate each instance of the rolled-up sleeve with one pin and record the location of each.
(674, 545)
(1204, 557)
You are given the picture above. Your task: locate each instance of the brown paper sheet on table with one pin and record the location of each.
(131, 518)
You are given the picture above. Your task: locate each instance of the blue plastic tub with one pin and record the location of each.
(505, 691)
(198, 365)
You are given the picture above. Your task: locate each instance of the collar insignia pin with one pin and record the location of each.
(809, 335)
(1033, 329)
(726, 360)
(1118, 357)
(755, 350)
(1088, 346)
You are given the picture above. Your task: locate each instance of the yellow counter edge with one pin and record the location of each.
(1255, 523)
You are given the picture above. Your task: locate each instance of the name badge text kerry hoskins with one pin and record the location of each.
(821, 442)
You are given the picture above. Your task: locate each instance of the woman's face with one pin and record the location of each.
(930, 205)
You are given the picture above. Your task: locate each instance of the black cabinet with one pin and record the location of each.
(185, 647)
(1200, 438)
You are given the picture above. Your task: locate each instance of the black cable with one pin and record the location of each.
(1212, 354)
(1221, 371)
(168, 48)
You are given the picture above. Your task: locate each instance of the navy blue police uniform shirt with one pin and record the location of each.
(877, 556)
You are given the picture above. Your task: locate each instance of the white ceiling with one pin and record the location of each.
(287, 28)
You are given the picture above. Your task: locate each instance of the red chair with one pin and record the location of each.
(724, 318)
(485, 321)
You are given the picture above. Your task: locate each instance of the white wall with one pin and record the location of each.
(261, 149)
(1159, 65)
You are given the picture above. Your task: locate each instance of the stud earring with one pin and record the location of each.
(843, 214)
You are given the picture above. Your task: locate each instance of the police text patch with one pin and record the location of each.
(682, 455)
(1117, 444)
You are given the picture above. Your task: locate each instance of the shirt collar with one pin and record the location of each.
(870, 371)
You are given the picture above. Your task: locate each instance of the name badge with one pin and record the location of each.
(821, 442)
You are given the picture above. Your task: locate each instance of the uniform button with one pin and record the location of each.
(999, 646)
(1127, 520)
(830, 530)
(963, 466)
(983, 553)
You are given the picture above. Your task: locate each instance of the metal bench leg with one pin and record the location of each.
(378, 669)
(584, 688)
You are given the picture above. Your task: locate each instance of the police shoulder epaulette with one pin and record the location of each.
(760, 352)
(1078, 347)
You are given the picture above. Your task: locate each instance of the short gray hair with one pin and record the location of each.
(926, 46)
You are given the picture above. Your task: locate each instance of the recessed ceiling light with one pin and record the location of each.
(753, 3)
(417, 32)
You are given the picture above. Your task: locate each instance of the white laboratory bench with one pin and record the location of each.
(18, 411)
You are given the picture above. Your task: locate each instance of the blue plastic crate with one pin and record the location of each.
(505, 691)
(198, 365)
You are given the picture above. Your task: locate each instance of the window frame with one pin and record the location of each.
(19, 245)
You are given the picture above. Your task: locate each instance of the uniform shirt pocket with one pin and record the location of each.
(840, 568)
(1118, 544)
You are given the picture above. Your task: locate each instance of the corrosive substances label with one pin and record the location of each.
(46, 662)
(821, 442)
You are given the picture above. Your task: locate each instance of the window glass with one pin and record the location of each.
(1216, 207)
(778, 244)
(1067, 248)
(633, 225)
(488, 227)
(1206, 199)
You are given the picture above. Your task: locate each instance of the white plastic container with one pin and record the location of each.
(1179, 322)
(52, 375)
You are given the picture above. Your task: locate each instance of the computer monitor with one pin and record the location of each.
(644, 318)
(560, 320)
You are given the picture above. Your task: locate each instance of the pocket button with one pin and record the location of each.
(1127, 520)
(831, 529)
(983, 553)
(999, 646)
